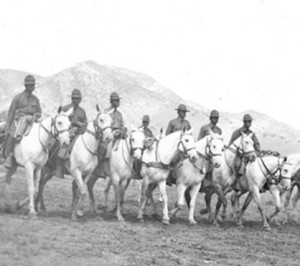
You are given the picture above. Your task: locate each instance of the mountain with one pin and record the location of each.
(140, 94)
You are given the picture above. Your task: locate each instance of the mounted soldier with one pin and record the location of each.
(23, 111)
(78, 126)
(212, 126)
(174, 125)
(145, 126)
(180, 122)
(247, 120)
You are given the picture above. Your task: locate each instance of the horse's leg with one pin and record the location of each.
(106, 192)
(90, 186)
(180, 199)
(256, 196)
(82, 189)
(276, 196)
(207, 199)
(221, 200)
(296, 197)
(143, 198)
(123, 186)
(7, 193)
(235, 204)
(29, 167)
(187, 196)
(193, 192)
(37, 178)
(150, 196)
(162, 188)
(245, 206)
(75, 198)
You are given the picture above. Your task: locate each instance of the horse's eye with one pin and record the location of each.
(214, 146)
(101, 120)
(59, 123)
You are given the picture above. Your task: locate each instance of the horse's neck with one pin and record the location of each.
(89, 138)
(45, 132)
(201, 147)
(125, 149)
(168, 147)
(231, 154)
(271, 162)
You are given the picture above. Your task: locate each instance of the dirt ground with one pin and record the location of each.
(53, 239)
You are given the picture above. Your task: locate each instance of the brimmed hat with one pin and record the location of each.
(214, 113)
(247, 117)
(146, 118)
(114, 96)
(29, 80)
(76, 93)
(182, 107)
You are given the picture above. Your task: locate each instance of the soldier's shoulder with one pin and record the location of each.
(67, 107)
(35, 97)
(81, 109)
(206, 126)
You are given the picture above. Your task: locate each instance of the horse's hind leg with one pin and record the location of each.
(221, 200)
(7, 193)
(207, 199)
(106, 192)
(187, 196)
(296, 197)
(150, 196)
(194, 192)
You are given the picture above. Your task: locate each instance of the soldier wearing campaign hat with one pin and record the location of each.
(24, 106)
(145, 126)
(212, 126)
(247, 120)
(180, 122)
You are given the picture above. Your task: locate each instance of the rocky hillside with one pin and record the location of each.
(140, 94)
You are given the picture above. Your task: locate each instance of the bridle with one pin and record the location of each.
(133, 149)
(209, 155)
(54, 132)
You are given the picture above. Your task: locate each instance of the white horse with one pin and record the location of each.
(224, 177)
(32, 152)
(156, 166)
(84, 157)
(264, 169)
(190, 174)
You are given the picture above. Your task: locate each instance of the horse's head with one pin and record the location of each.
(61, 124)
(136, 141)
(215, 148)
(248, 147)
(286, 172)
(187, 144)
(102, 125)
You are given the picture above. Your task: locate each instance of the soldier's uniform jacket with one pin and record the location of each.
(177, 124)
(237, 133)
(204, 131)
(23, 104)
(78, 118)
(117, 118)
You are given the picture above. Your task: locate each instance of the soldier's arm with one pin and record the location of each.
(256, 143)
(169, 128)
(220, 131)
(188, 127)
(84, 120)
(11, 112)
(39, 109)
(234, 137)
(201, 133)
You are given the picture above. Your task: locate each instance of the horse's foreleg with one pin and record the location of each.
(143, 198)
(123, 186)
(245, 206)
(276, 196)
(296, 197)
(187, 197)
(31, 191)
(221, 200)
(180, 199)
(90, 186)
(162, 188)
(150, 196)
(256, 196)
(193, 192)
(82, 188)
(207, 199)
(106, 192)
(7, 193)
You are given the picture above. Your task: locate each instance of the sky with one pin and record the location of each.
(231, 55)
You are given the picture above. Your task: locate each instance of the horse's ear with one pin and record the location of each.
(285, 159)
(161, 131)
(59, 109)
(190, 131)
(133, 128)
(97, 108)
(184, 129)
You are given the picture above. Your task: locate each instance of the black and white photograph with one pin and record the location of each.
(149, 132)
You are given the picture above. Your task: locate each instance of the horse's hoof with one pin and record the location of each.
(79, 213)
(74, 218)
(216, 224)
(141, 220)
(193, 222)
(267, 228)
(32, 215)
(121, 219)
(203, 211)
(166, 221)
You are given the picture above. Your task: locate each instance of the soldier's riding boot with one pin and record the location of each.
(60, 168)
(9, 160)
